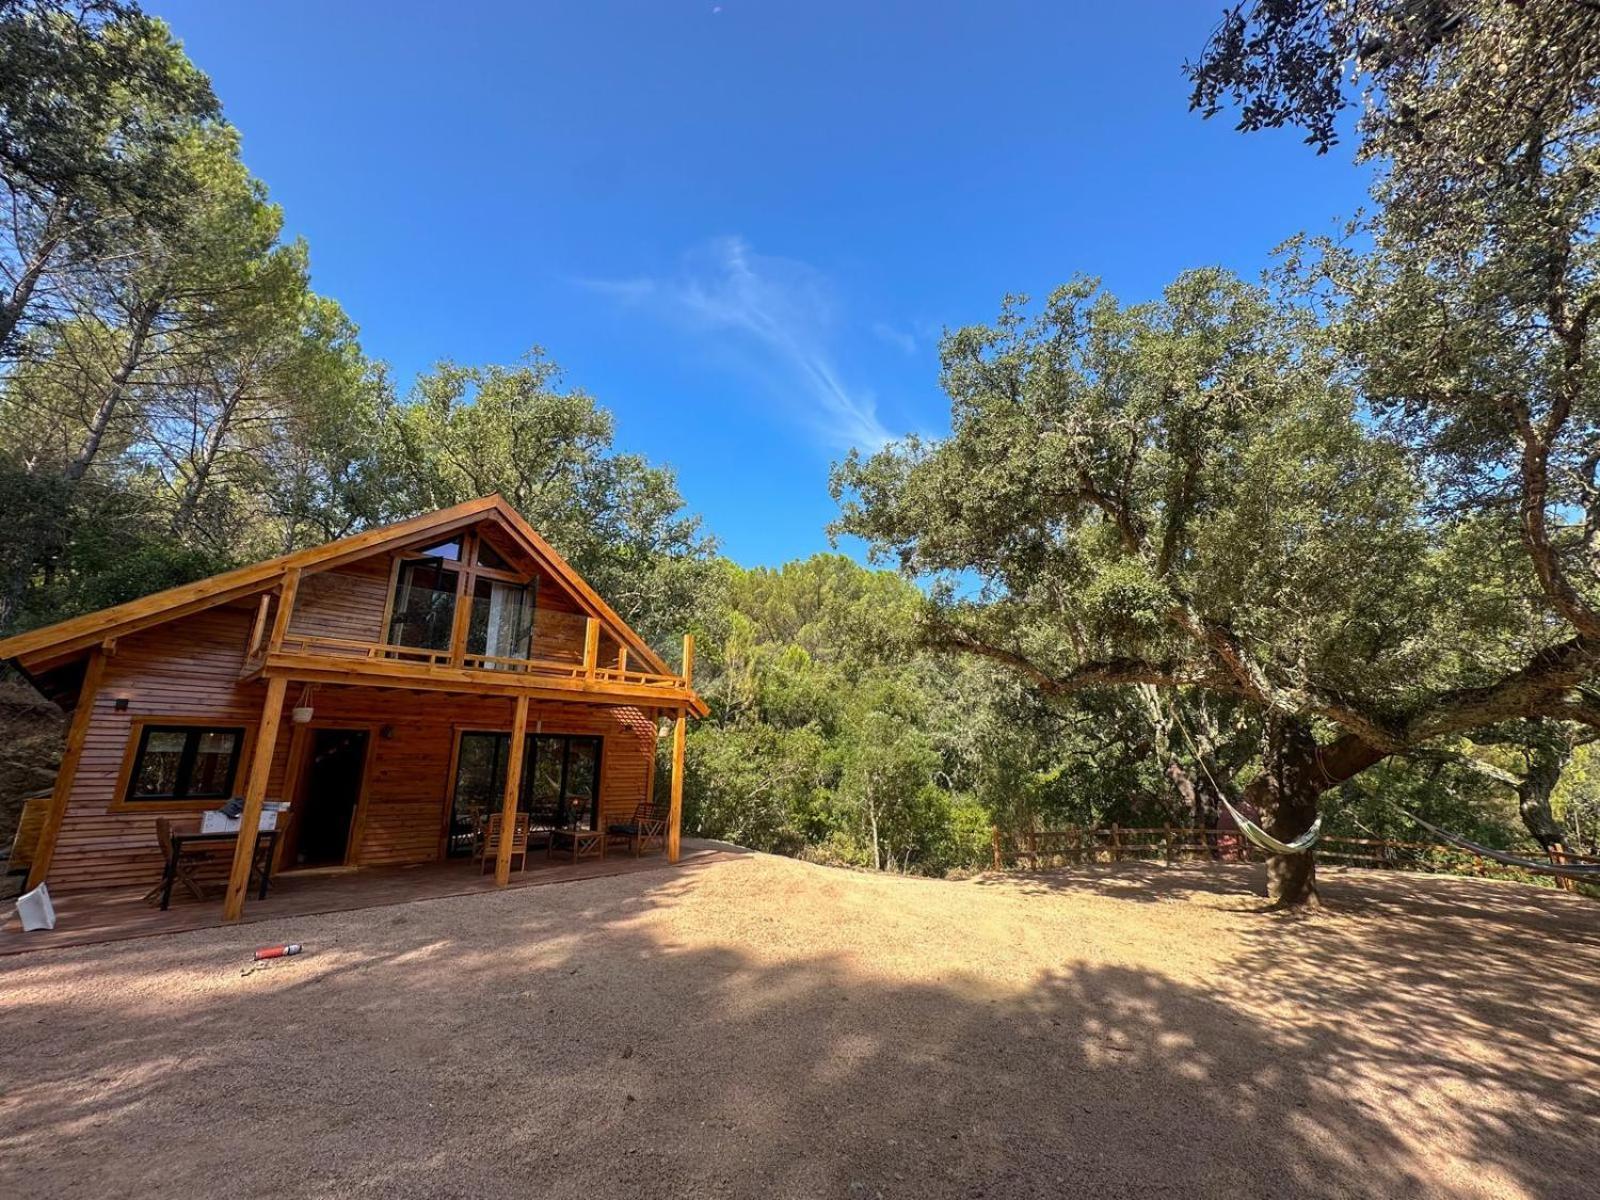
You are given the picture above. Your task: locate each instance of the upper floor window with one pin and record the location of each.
(451, 550)
(501, 625)
(499, 622)
(424, 604)
(489, 557)
(185, 762)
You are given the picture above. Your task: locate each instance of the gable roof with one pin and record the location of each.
(63, 640)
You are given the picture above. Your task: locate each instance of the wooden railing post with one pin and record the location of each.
(688, 660)
(591, 646)
(1116, 842)
(675, 813)
(622, 664)
(1558, 858)
(45, 848)
(255, 791)
(508, 801)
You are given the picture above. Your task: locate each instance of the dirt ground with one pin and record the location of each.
(753, 1026)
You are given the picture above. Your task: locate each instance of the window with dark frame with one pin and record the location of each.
(560, 774)
(185, 762)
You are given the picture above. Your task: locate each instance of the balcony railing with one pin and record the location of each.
(321, 646)
(320, 652)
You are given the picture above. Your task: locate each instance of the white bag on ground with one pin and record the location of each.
(36, 910)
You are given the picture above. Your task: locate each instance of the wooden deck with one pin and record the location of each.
(114, 915)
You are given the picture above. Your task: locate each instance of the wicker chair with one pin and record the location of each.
(648, 825)
(519, 841)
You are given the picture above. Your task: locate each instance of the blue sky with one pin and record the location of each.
(741, 224)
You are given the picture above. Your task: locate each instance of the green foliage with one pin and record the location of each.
(469, 431)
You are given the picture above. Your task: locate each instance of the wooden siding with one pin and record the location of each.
(190, 668)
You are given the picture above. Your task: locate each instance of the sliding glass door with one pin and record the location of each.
(424, 604)
(501, 625)
(560, 784)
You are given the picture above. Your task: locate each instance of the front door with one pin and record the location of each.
(327, 805)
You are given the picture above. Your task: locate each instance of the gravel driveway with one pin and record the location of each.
(753, 1026)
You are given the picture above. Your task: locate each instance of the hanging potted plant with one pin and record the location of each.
(303, 712)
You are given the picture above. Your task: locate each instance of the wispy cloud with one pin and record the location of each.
(779, 307)
(902, 341)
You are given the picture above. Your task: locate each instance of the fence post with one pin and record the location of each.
(998, 865)
(1116, 842)
(1168, 827)
(1383, 852)
(1558, 857)
(1077, 845)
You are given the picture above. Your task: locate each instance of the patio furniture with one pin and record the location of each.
(519, 841)
(177, 867)
(647, 825)
(185, 848)
(580, 843)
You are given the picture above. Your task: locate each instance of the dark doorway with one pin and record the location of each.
(328, 801)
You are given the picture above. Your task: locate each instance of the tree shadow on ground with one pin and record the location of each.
(584, 1046)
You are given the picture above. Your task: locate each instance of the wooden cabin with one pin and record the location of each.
(452, 665)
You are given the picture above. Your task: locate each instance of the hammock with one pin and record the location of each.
(1583, 873)
(1264, 839)
(1246, 826)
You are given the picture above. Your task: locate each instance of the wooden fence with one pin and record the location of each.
(1173, 843)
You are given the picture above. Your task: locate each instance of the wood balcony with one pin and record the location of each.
(319, 658)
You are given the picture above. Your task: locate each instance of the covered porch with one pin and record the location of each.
(118, 914)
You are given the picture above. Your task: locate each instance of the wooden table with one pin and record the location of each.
(583, 843)
(206, 841)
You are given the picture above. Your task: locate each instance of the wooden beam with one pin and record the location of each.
(655, 748)
(45, 848)
(255, 793)
(688, 660)
(463, 609)
(285, 613)
(260, 630)
(591, 646)
(622, 663)
(508, 804)
(675, 814)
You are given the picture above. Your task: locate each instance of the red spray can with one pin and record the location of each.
(277, 951)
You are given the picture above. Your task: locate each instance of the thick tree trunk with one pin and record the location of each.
(1547, 758)
(1285, 794)
(1295, 772)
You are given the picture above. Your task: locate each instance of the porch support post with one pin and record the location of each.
(45, 849)
(508, 806)
(255, 792)
(591, 646)
(675, 814)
